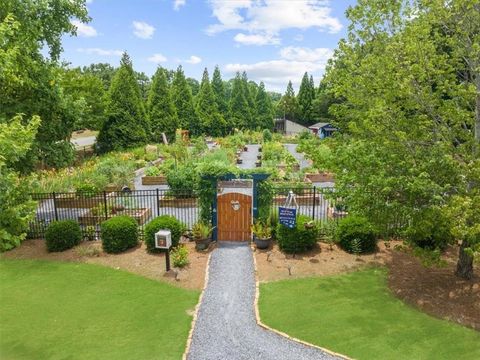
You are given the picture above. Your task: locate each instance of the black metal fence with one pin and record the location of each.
(90, 209)
(318, 203)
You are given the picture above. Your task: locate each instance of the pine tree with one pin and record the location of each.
(305, 99)
(288, 103)
(126, 124)
(161, 110)
(252, 93)
(211, 121)
(239, 112)
(249, 116)
(183, 101)
(219, 91)
(264, 107)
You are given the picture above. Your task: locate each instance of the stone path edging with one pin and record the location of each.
(197, 308)
(261, 324)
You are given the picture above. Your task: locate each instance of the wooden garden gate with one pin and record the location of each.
(234, 217)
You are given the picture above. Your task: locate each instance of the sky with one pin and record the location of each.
(274, 41)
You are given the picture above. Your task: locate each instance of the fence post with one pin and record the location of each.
(55, 206)
(314, 201)
(105, 204)
(158, 202)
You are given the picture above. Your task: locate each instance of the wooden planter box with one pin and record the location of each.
(74, 202)
(141, 215)
(168, 201)
(301, 199)
(154, 180)
(322, 177)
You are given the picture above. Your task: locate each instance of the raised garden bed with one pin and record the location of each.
(154, 180)
(72, 201)
(141, 215)
(170, 201)
(322, 177)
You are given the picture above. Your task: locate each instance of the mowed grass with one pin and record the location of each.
(55, 310)
(354, 314)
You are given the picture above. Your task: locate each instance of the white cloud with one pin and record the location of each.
(291, 66)
(306, 54)
(143, 30)
(84, 30)
(194, 60)
(177, 4)
(157, 58)
(256, 39)
(272, 16)
(100, 52)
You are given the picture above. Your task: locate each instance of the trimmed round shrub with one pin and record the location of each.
(164, 222)
(430, 230)
(62, 235)
(299, 239)
(119, 234)
(355, 231)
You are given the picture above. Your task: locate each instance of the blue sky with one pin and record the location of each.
(273, 40)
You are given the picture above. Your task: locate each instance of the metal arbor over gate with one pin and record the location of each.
(233, 210)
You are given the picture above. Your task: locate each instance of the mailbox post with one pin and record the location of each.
(163, 240)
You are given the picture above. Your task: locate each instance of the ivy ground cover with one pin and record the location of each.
(54, 310)
(356, 315)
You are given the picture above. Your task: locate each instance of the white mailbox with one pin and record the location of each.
(163, 239)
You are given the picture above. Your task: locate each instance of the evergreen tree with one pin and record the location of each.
(264, 107)
(182, 98)
(211, 121)
(249, 116)
(288, 103)
(239, 112)
(218, 88)
(126, 124)
(305, 99)
(252, 93)
(161, 110)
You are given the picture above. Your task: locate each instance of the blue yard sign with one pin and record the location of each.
(287, 216)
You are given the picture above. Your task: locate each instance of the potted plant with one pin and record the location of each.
(262, 234)
(201, 233)
(239, 160)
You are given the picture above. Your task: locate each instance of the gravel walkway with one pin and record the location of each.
(249, 157)
(226, 326)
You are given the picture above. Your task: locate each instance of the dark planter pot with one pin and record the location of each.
(202, 244)
(260, 149)
(259, 156)
(245, 148)
(261, 243)
(239, 161)
(258, 164)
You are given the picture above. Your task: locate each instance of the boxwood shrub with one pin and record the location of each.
(164, 222)
(62, 235)
(355, 227)
(119, 234)
(298, 239)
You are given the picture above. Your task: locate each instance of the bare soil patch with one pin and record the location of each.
(136, 260)
(436, 291)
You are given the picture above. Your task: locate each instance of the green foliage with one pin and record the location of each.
(265, 194)
(62, 235)
(219, 92)
(264, 108)
(262, 230)
(430, 229)
(239, 109)
(305, 98)
(16, 206)
(267, 135)
(182, 180)
(119, 234)
(210, 118)
(180, 256)
(202, 230)
(356, 229)
(161, 109)
(182, 98)
(164, 222)
(125, 124)
(152, 171)
(299, 239)
(288, 103)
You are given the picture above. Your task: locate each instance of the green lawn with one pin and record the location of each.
(354, 314)
(55, 310)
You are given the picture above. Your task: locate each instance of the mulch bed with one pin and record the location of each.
(436, 291)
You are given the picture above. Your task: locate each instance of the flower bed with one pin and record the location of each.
(141, 215)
